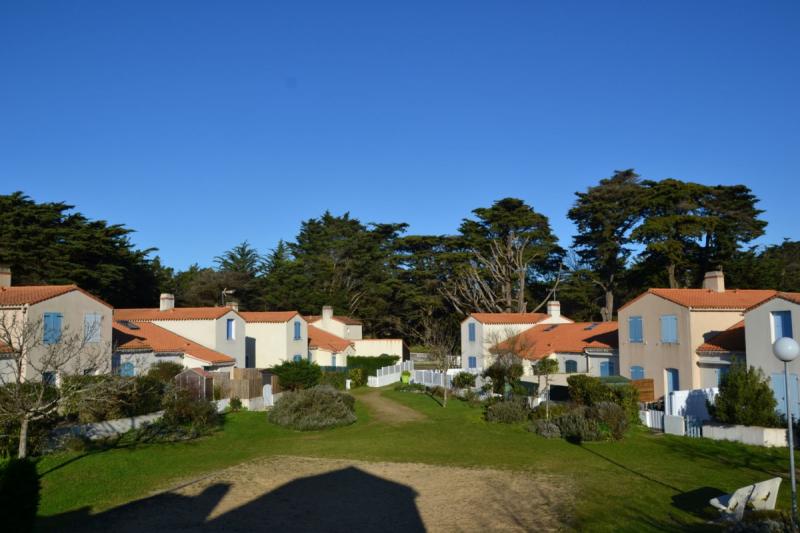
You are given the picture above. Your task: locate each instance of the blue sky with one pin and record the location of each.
(201, 124)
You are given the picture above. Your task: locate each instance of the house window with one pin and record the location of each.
(230, 329)
(333, 360)
(92, 327)
(721, 373)
(49, 378)
(471, 328)
(781, 324)
(297, 331)
(571, 366)
(635, 332)
(472, 362)
(669, 329)
(127, 370)
(297, 358)
(52, 328)
(637, 372)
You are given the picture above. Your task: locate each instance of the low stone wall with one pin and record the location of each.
(754, 435)
(107, 428)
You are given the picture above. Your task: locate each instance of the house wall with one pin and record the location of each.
(324, 357)
(694, 327)
(275, 343)
(212, 334)
(340, 329)
(376, 347)
(142, 361)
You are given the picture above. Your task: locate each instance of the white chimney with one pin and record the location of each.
(554, 309)
(233, 305)
(327, 313)
(5, 276)
(714, 281)
(167, 301)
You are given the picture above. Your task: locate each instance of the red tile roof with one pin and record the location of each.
(33, 294)
(268, 316)
(323, 340)
(509, 318)
(545, 339)
(343, 319)
(793, 297)
(148, 336)
(176, 313)
(733, 300)
(730, 340)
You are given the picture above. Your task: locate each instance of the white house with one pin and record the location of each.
(764, 323)
(138, 345)
(327, 349)
(274, 337)
(53, 312)
(350, 329)
(481, 331)
(221, 329)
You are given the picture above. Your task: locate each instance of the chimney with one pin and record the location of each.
(167, 301)
(554, 309)
(327, 313)
(233, 305)
(714, 281)
(5, 276)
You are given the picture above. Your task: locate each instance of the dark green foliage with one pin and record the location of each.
(576, 427)
(501, 373)
(590, 391)
(19, 494)
(320, 407)
(746, 398)
(371, 364)
(612, 421)
(464, 380)
(296, 375)
(38, 436)
(411, 387)
(357, 377)
(236, 404)
(545, 428)
(183, 409)
(555, 409)
(507, 412)
(165, 371)
(123, 397)
(334, 379)
(766, 521)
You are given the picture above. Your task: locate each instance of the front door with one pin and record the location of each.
(673, 384)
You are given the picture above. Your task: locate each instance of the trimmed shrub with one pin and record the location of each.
(295, 375)
(612, 421)
(464, 380)
(590, 391)
(235, 404)
(19, 494)
(746, 398)
(164, 371)
(370, 365)
(545, 428)
(182, 408)
(357, 377)
(337, 380)
(576, 427)
(319, 407)
(507, 412)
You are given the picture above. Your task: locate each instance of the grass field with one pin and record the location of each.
(645, 482)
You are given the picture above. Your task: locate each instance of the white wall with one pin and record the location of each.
(376, 347)
(325, 357)
(340, 329)
(212, 334)
(274, 342)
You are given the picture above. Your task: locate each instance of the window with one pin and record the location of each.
(471, 328)
(472, 362)
(781, 324)
(571, 366)
(721, 373)
(52, 328)
(49, 378)
(230, 329)
(297, 358)
(637, 372)
(92, 326)
(333, 360)
(635, 332)
(127, 370)
(297, 331)
(607, 368)
(669, 329)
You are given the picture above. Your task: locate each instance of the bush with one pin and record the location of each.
(164, 371)
(746, 398)
(295, 375)
(411, 387)
(507, 412)
(357, 376)
(590, 391)
(182, 408)
(556, 409)
(576, 427)
(38, 436)
(464, 380)
(123, 397)
(370, 365)
(337, 380)
(319, 407)
(235, 404)
(471, 397)
(545, 428)
(19, 494)
(763, 521)
(612, 421)
(501, 373)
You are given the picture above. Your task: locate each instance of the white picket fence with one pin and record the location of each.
(389, 374)
(431, 378)
(652, 419)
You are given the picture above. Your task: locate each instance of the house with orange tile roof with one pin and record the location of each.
(274, 336)
(480, 332)
(221, 329)
(764, 323)
(351, 329)
(139, 345)
(54, 311)
(327, 349)
(679, 337)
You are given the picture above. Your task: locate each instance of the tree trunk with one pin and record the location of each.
(22, 451)
(608, 310)
(444, 380)
(673, 282)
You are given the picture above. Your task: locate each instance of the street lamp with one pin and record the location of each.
(786, 349)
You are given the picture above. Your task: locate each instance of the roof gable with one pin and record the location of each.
(706, 299)
(33, 294)
(346, 320)
(509, 318)
(543, 340)
(274, 317)
(731, 340)
(149, 336)
(321, 339)
(176, 313)
(793, 297)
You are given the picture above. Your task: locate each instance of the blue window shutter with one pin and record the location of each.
(571, 366)
(52, 328)
(635, 329)
(297, 331)
(127, 370)
(604, 370)
(669, 329)
(471, 332)
(637, 372)
(782, 324)
(91, 327)
(333, 360)
(473, 362)
(297, 358)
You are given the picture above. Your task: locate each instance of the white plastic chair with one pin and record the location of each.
(761, 496)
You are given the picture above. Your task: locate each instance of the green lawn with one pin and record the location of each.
(646, 482)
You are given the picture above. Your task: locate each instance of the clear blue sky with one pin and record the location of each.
(201, 124)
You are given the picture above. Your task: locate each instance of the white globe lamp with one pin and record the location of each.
(786, 349)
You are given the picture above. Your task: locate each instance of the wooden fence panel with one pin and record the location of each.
(646, 389)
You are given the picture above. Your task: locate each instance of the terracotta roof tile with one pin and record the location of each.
(323, 340)
(509, 318)
(148, 336)
(793, 297)
(268, 316)
(343, 319)
(33, 294)
(545, 339)
(730, 340)
(176, 313)
(734, 299)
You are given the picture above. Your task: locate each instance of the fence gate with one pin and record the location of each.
(694, 427)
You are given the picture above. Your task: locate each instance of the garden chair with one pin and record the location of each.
(759, 496)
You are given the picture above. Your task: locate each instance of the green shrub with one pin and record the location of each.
(763, 521)
(556, 409)
(464, 380)
(357, 377)
(746, 398)
(507, 412)
(501, 373)
(627, 397)
(411, 387)
(295, 375)
(38, 436)
(182, 408)
(124, 397)
(576, 427)
(19, 494)
(405, 376)
(235, 404)
(334, 379)
(612, 421)
(319, 407)
(165, 371)
(370, 365)
(590, 391)
(546, 428)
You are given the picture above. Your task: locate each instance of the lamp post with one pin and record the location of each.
(786, 349)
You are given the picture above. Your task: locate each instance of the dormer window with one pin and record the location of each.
(297, 330)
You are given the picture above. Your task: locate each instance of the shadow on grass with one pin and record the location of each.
(343, 500)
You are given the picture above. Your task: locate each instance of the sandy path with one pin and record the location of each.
(388, 411)
(310, 494)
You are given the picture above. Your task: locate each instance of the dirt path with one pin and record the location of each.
(388, 411)
(310, 494)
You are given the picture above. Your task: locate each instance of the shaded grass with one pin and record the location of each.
(645, 482)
